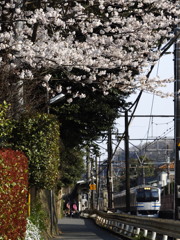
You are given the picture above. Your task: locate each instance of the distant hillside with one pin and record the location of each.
(157, 151)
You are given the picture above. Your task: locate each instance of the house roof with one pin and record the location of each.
(165, 166)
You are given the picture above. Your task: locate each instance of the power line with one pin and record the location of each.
(150, 116)
(135, 104)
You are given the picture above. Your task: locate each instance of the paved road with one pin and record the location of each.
(82, 229)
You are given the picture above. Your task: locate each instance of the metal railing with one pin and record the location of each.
(133, 226)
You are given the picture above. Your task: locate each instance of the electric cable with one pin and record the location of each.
(152, 104)
(164, 134)
(166, 123)
(135, 104)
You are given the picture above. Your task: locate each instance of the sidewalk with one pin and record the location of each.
(82, 229)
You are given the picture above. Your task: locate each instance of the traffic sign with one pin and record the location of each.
(92, 186)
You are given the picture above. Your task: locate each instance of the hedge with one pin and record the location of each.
(13, 194)
(38, 136)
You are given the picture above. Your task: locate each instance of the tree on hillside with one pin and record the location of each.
(71, 166)
(89, 118)
(142, 167)
(102, 44)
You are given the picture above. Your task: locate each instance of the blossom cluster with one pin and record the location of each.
(32, 232)
(104, 44)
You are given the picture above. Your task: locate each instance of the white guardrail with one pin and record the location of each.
(131, 226)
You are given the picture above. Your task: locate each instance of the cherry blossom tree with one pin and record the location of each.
(66, 46)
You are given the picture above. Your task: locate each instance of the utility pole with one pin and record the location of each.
(109, 170)
(88, 172)
(168, 169)
(88, 176)
(143, 175)
(177, 124)
(127, 162)
(92, 183)
(97, 183)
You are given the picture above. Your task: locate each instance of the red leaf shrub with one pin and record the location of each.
(13, 194)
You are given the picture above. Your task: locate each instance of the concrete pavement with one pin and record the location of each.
(82, 229)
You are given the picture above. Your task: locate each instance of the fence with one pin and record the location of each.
(133, 226)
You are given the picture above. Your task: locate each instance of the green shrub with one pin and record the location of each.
(140, 237)
(6, 125)
(39, 216)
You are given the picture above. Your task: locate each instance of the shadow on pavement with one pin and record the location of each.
(80, 228)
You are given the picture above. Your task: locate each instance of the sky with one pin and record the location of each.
(149, 104)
